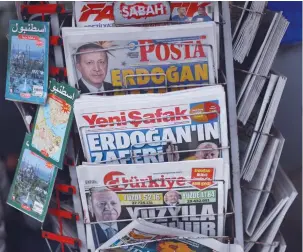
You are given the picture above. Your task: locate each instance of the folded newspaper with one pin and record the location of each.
(103, 60)
(246, 28)
(188, 195)
(283, 195)
(257, 130)
(256, 193)
(268, 38)
(142, 236)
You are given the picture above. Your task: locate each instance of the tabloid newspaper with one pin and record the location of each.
(53, 122)
(94, 14)
(103, 60)
(132, 12)
(188, 195)
(33, 183)
(152, 128)
(27, 65)
(142, 236)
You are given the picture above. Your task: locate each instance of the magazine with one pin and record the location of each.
(53, 122)
(132, 12)
(33, 183)
(141, 235)
(188, 195)
(94, 14)
(141, 57)
(27, 66)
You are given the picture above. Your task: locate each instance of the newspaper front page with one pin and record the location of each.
(100, 60)
(187, 195)
(141, 235)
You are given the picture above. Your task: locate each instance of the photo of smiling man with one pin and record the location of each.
(105, 208)
(92, 63)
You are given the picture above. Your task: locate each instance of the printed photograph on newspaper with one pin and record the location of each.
(142, 236)
(187, 195)
(33, 183)
(141, 57)
(201, 11)
(53, 122)
(27, 65)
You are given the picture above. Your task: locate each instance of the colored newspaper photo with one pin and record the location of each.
(53, 122)
(150, 58)
(200, 11)
(141, 236)
(33, 183)
(187, 195)
(27, 66)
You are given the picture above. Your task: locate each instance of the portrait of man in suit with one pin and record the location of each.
(92, 63)
(105, 208)
(172, 198)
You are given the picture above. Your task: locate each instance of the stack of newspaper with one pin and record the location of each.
(141, 58)
(256, 193)
(145, 236)
(283, 195)
(269, 36)
(255, 134)
(246, 28)
(189, 195)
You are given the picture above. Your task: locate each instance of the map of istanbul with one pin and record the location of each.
(51, 123)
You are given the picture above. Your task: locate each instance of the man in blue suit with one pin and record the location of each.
(105, 208)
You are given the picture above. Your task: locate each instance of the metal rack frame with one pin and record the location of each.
(232, 123)
(233, 133)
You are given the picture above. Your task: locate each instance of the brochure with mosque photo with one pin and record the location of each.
(27, 65)
(33, 183)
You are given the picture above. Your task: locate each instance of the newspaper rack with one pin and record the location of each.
(59, 213)
(23, 11)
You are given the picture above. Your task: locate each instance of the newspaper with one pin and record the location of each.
(27, 65)
(53, 123)
(262, 127)
(200, 11)
(132, 12)
(252, 191)
(272, 230)
(188, 195)
(284, 194)
(141, 57)
(259, 67)
(247, 28)
(264, 192)
(282, 244)
(94, 14)
(33, 183)
(145, 236)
